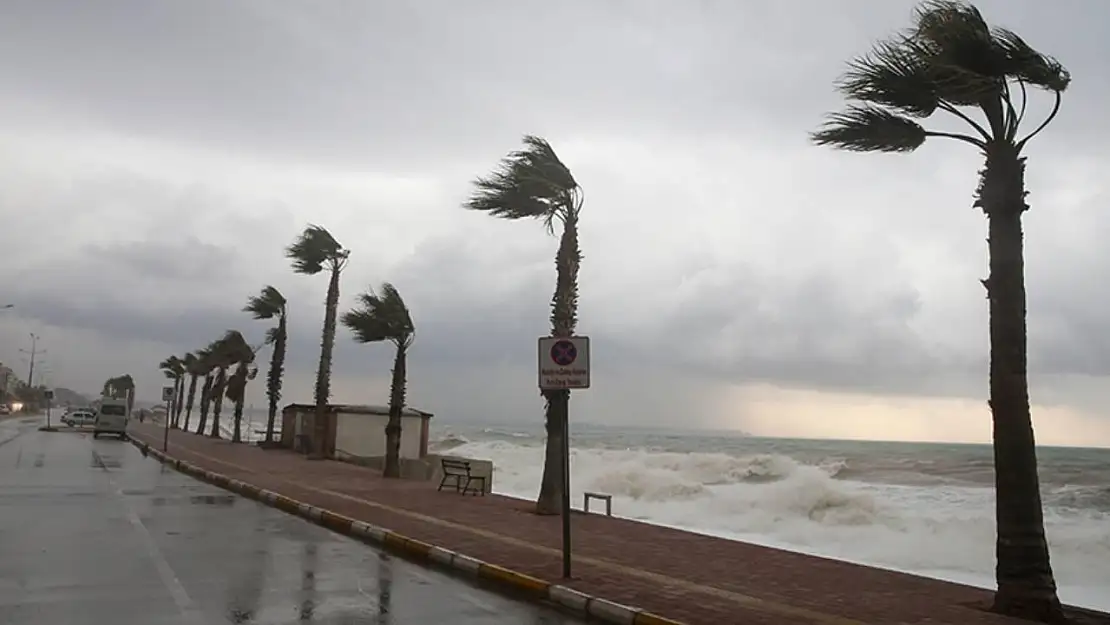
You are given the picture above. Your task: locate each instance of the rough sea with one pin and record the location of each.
(916, 507)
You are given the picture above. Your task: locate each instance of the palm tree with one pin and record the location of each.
(174, 369)
(223, 356)
(207, 368)
(384, 317)
(534, 183)
(194, 370)
(312, 252)
(268, 304)
(242, 356)
(952, 61)
(179, 392)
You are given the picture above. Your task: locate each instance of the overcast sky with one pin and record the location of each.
(156, 156)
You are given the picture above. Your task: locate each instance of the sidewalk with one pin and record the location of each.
(699, 580)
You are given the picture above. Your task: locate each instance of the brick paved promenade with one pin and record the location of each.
(692, 578)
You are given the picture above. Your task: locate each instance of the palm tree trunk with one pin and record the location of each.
(239, 379)
(1026, 586)
(396, 407)
(564, 320)
(171, 416)
(205, 399)
(323, 372)
(178, 389)
(218, 388)
(274, 378)
(130, 395)
(179, 396)
(237, 427)
(189, 401)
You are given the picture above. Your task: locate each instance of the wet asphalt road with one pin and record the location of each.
(93, 533)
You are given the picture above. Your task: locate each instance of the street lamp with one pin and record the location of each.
(35, 351)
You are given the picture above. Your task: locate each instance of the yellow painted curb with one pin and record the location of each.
(527, 583)
(336, 522)
(407, 545)
(647, 618)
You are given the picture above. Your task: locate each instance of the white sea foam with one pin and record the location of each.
(944, 531)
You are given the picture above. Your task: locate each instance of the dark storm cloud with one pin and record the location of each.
(337, 82)
(765, 261)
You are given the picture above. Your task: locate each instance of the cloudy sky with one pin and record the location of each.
(157, 155)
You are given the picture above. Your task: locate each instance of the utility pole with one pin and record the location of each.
(34, 352)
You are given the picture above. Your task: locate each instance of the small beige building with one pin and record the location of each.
(355, 431)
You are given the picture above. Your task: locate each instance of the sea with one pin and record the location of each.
(923, 508)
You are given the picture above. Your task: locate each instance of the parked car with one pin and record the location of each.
(4, 409)
(79, 418)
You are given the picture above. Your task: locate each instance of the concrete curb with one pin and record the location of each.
(569, 599)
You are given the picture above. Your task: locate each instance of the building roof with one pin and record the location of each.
(368, 409)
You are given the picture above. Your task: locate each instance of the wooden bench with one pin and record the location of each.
(608, 499)
(459, 472)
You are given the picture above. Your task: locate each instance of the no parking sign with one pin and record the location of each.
(564, 362)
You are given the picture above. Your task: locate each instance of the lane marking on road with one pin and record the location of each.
(747, 601)
(169, 578)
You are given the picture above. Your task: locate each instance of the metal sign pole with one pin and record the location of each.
(166, 430)
(48, 395)
(564, 364)
(566, 489)
(167, 396)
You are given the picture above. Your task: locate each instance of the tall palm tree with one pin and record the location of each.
(312, 252)
(241, 355)
(179, 392)
(952, 61)
(270, 304)
(379, 317)
(223, 356)
(194, 370)
(207, 368)
(533, 183)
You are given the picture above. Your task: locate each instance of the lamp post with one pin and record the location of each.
(35, 351)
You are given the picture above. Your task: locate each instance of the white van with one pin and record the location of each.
(111, 418)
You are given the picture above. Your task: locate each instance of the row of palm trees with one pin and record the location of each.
(951, 61)
(225, 366)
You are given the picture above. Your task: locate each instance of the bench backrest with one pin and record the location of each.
(455, 467)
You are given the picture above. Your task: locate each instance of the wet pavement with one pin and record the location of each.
(92, 533)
